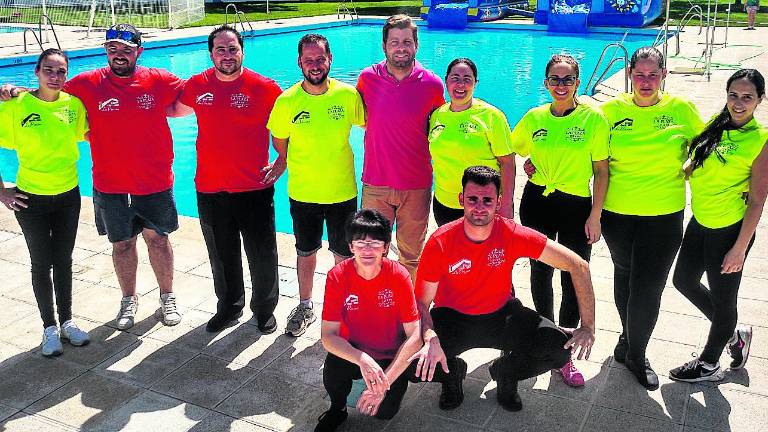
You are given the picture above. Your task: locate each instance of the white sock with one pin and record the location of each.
(306, 303)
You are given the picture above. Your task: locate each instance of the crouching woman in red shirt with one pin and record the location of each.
(370, 324)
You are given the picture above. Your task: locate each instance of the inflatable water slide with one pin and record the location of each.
(558, 15)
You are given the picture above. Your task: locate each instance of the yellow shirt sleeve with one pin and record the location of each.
(499, 135)
(6, 125)
(278, 124)
(600, 139)
(81, 128)
(521, 137)
(358, 115)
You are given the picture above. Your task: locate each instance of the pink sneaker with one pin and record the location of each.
(571, 376)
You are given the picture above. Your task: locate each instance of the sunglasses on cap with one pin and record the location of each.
(123, 35)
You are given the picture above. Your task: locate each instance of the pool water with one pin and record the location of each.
(510, 64)
(11, 29)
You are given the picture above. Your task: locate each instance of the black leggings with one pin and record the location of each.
(531, 343)
(49, 224)
(703, 251)
(642, 249)
(559, 216)
(444, 214)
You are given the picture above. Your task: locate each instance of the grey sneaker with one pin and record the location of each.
(169, 310)
(73, 334)
(51, 342)
(300, 318)
(128, 308)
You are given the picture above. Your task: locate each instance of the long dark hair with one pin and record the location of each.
(707, 141)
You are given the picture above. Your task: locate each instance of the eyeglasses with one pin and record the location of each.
(567, 81)
(123, 35)
(373, 244)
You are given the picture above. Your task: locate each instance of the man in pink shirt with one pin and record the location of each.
(399, 95)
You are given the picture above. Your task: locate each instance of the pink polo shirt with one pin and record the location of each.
(396, 145)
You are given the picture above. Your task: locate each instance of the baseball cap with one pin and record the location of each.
(124, 33)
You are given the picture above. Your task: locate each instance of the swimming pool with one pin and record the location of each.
(510, 62)
(11, 29)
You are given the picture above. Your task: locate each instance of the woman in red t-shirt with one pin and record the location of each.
(370, 324)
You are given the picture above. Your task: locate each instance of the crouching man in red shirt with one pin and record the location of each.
(466, 271)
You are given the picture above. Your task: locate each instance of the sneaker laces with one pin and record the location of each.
(128, 307)
(299, 314)
(169, 305)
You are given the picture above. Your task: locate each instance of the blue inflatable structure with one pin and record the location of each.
(558, 15)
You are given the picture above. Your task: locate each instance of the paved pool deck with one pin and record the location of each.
(181, 378)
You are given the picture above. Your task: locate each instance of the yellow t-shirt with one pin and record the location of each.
(562, 148)
(45, 136)
(717, 187)
(321, 165)
(648, 148)
(458, 140)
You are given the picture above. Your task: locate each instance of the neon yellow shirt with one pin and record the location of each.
(44, 135)
(562, 148)
(458, 140)
(321, 165)
(648, 149)
(717, 188)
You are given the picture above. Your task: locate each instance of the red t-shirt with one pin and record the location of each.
(232, 135)
(371, 312)
(131, 142)
(476, 278)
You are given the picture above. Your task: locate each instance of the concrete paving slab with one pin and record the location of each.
(191, 290)
(595, 376)
(105, 342)
(224, 423)
(726, 410)
(15, 250)
(302, 361)
(479, 401)
(145, 362)
(25, 382)
(6, 412)
(753, 288)
(415, 419)
(23, 422)
(14, 310)
(602, 419)
(18, 278)
(190, 332)
(754, 312)
(246, 345)
(622, 392)
(541, 412)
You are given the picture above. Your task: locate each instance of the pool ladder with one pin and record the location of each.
(662, 37)
(342, 10)
(619, 47)
(239, 16)
(39, 36)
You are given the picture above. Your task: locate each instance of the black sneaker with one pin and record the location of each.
(222, 320)
(506, 388)
(695, 371)
(453, 391)
(643, 372)
(269, 326)
(738, 346)
(621, 349)
(330, 420)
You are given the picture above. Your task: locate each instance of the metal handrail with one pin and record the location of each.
(44, 17)
(226, 13)
(590, 88)
(39, 42)
(240, 17)
(353, 15)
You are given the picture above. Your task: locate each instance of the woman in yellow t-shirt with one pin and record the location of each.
(642, 217)
(465, 132)
(568, 144)
(729, 160)
(43, 127)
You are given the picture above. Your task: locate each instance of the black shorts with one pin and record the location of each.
(123, 216)
(308, 221)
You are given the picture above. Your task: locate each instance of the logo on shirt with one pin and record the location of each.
(205, 99)
(111, 104)
(239, 100)
(727, 148)
(539, 135)
(624, 124)
(663, 121)
(31, 120)
(495, 257)
(468, 127)
(386, 298)
(574, 134)
(301, 118)
(351, 303)
(336, 112)
(145, 101)
(462, 266)
(66, 115)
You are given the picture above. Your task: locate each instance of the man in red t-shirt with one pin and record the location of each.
(132, 152)
(466, 271)
(234, 180)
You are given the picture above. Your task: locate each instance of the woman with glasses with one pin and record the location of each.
(568, 144)
(729, 183)
(370, 325)
(465, 132)
(44, 126)
(643, 210)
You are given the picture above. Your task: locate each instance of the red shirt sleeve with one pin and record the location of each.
(332, 302)
(187, 94)
(75, 86)
(274, 93)
(430, 265)
(361, 84)
(172, 86)
(406, 300)
(528, 242)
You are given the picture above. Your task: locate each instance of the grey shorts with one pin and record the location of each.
(123, 216)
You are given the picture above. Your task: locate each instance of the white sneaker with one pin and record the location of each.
(128, 308)
(169, 310)
(73, 334)
(51, 345)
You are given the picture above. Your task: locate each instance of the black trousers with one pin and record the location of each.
(444, 214)
(224, 217)
(531, 344)
(642, 249)
(559, 216)
(702, 251)
(49, 224)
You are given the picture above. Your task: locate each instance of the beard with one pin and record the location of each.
(400, 64)
(228, 71)
(315, 81)
(122, 70)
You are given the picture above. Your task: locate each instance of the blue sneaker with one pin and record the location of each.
(73, 334)
(51, 342)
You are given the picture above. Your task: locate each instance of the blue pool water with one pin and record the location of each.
(11, 29)
(510, 62)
